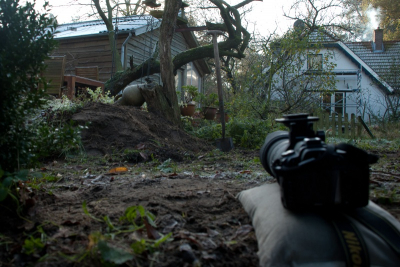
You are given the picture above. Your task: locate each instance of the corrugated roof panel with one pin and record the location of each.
(91, 28)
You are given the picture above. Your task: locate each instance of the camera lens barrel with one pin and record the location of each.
(275, 144)
(312, 174)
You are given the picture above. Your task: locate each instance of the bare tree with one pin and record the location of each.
(329, 15)
(235, 42)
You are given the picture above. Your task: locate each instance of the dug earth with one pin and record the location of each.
(83, 216)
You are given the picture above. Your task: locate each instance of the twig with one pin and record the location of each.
(386, 174)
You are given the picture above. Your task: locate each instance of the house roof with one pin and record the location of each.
(322, 36)
(137, 23)
(380, 62)
(377, 64)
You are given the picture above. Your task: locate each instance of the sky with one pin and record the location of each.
(266, 16)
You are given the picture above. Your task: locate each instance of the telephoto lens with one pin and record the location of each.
(313, 174)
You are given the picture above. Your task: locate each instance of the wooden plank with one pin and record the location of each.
(316, 124)
(88, 72)
(353, 126)
(346, 125)
(54, 75)
(362, 123)
(340, 130)
(326, 122)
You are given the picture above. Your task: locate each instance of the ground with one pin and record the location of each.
(73, 215)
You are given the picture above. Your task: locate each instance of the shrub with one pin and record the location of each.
(246, 133)
(26, 40)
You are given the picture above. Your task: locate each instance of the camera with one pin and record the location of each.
(313, 174)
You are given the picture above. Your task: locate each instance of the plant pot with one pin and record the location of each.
(218, 117)
(209, 113)
(188, 110)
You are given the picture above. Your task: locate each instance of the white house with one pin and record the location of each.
(362, 71)
(363, 75)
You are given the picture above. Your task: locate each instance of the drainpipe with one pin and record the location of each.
(123, 48)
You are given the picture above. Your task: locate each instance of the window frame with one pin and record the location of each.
(311, 59)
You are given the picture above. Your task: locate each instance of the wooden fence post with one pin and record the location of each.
(346, 125)
(353, 126)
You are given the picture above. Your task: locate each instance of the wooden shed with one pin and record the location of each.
(86, 44)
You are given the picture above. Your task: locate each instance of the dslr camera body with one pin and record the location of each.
(312, 174)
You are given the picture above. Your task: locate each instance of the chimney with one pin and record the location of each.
(378, 40)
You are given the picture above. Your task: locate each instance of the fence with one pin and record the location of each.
(339, 126)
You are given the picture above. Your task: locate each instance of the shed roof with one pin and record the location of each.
(137, 23)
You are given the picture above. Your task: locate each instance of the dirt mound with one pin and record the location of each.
(137, 133)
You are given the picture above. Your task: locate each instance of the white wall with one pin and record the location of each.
(372, 97)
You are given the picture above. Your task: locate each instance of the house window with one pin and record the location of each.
(314, 61)
(192, 77)
(339, 104)
(326, 103)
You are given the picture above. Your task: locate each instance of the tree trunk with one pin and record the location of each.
(115, 54)
(158, 103)
(170, 107)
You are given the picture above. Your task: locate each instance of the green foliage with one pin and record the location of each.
(26, 40)
(7, 180)
(98, 96)
(143, 245)
(35, 242)
(55, 140)
(112, 254)
(210, 131)
(167, 166)
(249, 133)
(190, 93)
(132, 213)
(207, 100)
(32, 245)
(246, 133)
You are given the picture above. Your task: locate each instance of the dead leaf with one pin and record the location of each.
(246, 171)
(144, 156)
(141, 146)
(243, 230)
(212, 232)
(206, 256)
(118, 170)
(208, 244)
(170, 227)
(151, 231)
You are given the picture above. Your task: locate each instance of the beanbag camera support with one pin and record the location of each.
(307, 239)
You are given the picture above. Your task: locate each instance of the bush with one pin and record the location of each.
(26, 40)
(246, 133)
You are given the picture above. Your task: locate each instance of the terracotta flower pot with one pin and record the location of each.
(218, 117)
(188, 110)
(209, 113)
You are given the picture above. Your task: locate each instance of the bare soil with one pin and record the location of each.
(192, 197)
